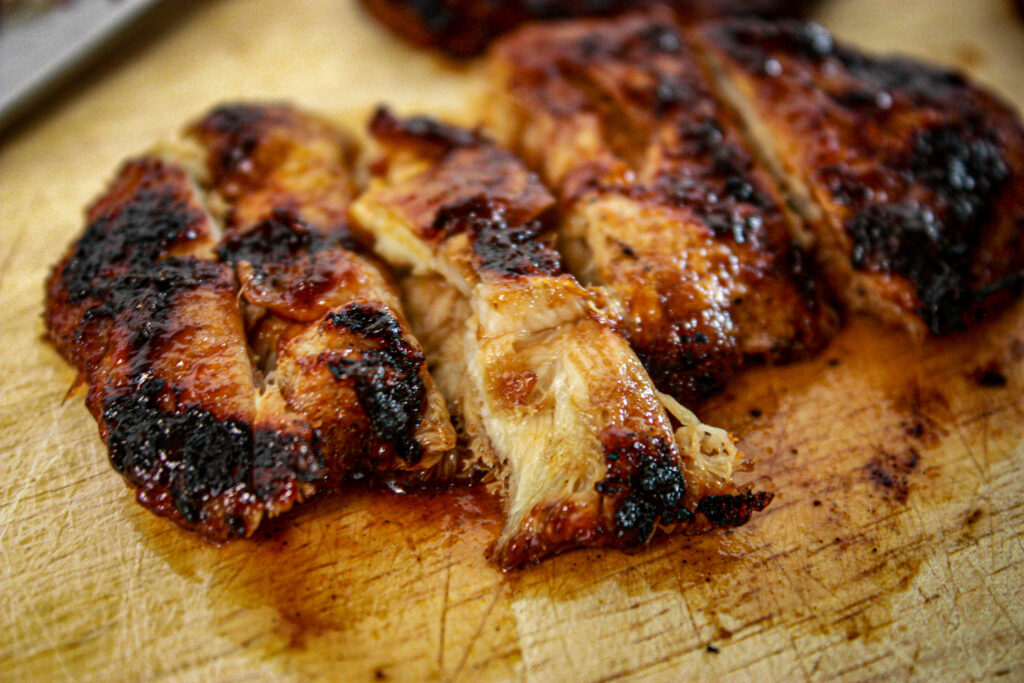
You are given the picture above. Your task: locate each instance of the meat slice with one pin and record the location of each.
(911, 177)
(146, 306)
(551, 400)
(664, 204)
(464, 28)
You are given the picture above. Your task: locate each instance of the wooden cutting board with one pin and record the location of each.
(894, 547)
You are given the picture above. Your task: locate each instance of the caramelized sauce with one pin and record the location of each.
(855, 445)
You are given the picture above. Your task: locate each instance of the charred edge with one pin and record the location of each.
(933, 245)
(132, 235)
(387, 378)
(499, 246)
(279, 239)
(727, 511)
(194, 457)
(644, 481)
(428, 134)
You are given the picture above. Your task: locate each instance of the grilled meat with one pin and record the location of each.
(912, 179)
(156, 305)
(664, 205)
(551, 399)
(464, 28)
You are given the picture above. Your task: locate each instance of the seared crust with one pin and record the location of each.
(155, 307)
(552, 402)
(464, 28)
(664, 204)
(913, 177)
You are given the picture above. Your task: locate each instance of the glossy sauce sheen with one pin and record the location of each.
(681, 225)
(847, 519)
(232, 379)
(920, 174)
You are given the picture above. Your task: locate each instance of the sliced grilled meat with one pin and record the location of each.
(328, 320)
(911, 177)
(464, 28)
(551, 399)
(146, 306)
(663, 202)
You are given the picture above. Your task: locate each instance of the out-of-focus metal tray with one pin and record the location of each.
(36, 51)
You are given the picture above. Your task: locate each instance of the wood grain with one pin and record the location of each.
(894, 548)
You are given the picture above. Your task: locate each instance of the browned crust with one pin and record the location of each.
(149, 309)
(620, 117)
(444, 184)
(918, 174)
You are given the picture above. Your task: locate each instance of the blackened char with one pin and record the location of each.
(387, 377)
(644, 482)
(502, 248)
(190, 455)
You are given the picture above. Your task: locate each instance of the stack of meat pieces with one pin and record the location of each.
(245, 346)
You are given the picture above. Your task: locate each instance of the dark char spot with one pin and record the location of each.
(990, 375)
(500, 245)
(143, 299)
(645, 481)
(278, 239)
(134, 234)
(193, 456)
(932, 243)
(731, 511)
(387, 378)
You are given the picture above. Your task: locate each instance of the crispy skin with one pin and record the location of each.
(153, 306)
(464, 28)
(912, 177)
(550, 398)
(664, 204)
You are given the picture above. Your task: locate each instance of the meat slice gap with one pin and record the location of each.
(147, 305)
(664, 203)
(910, 178)
(551, 401)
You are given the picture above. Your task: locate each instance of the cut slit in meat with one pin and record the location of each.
(910, 177)
(146, 307)
(664, 204)
(552, 401)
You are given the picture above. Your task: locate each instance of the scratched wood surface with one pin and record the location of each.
(894, 547)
